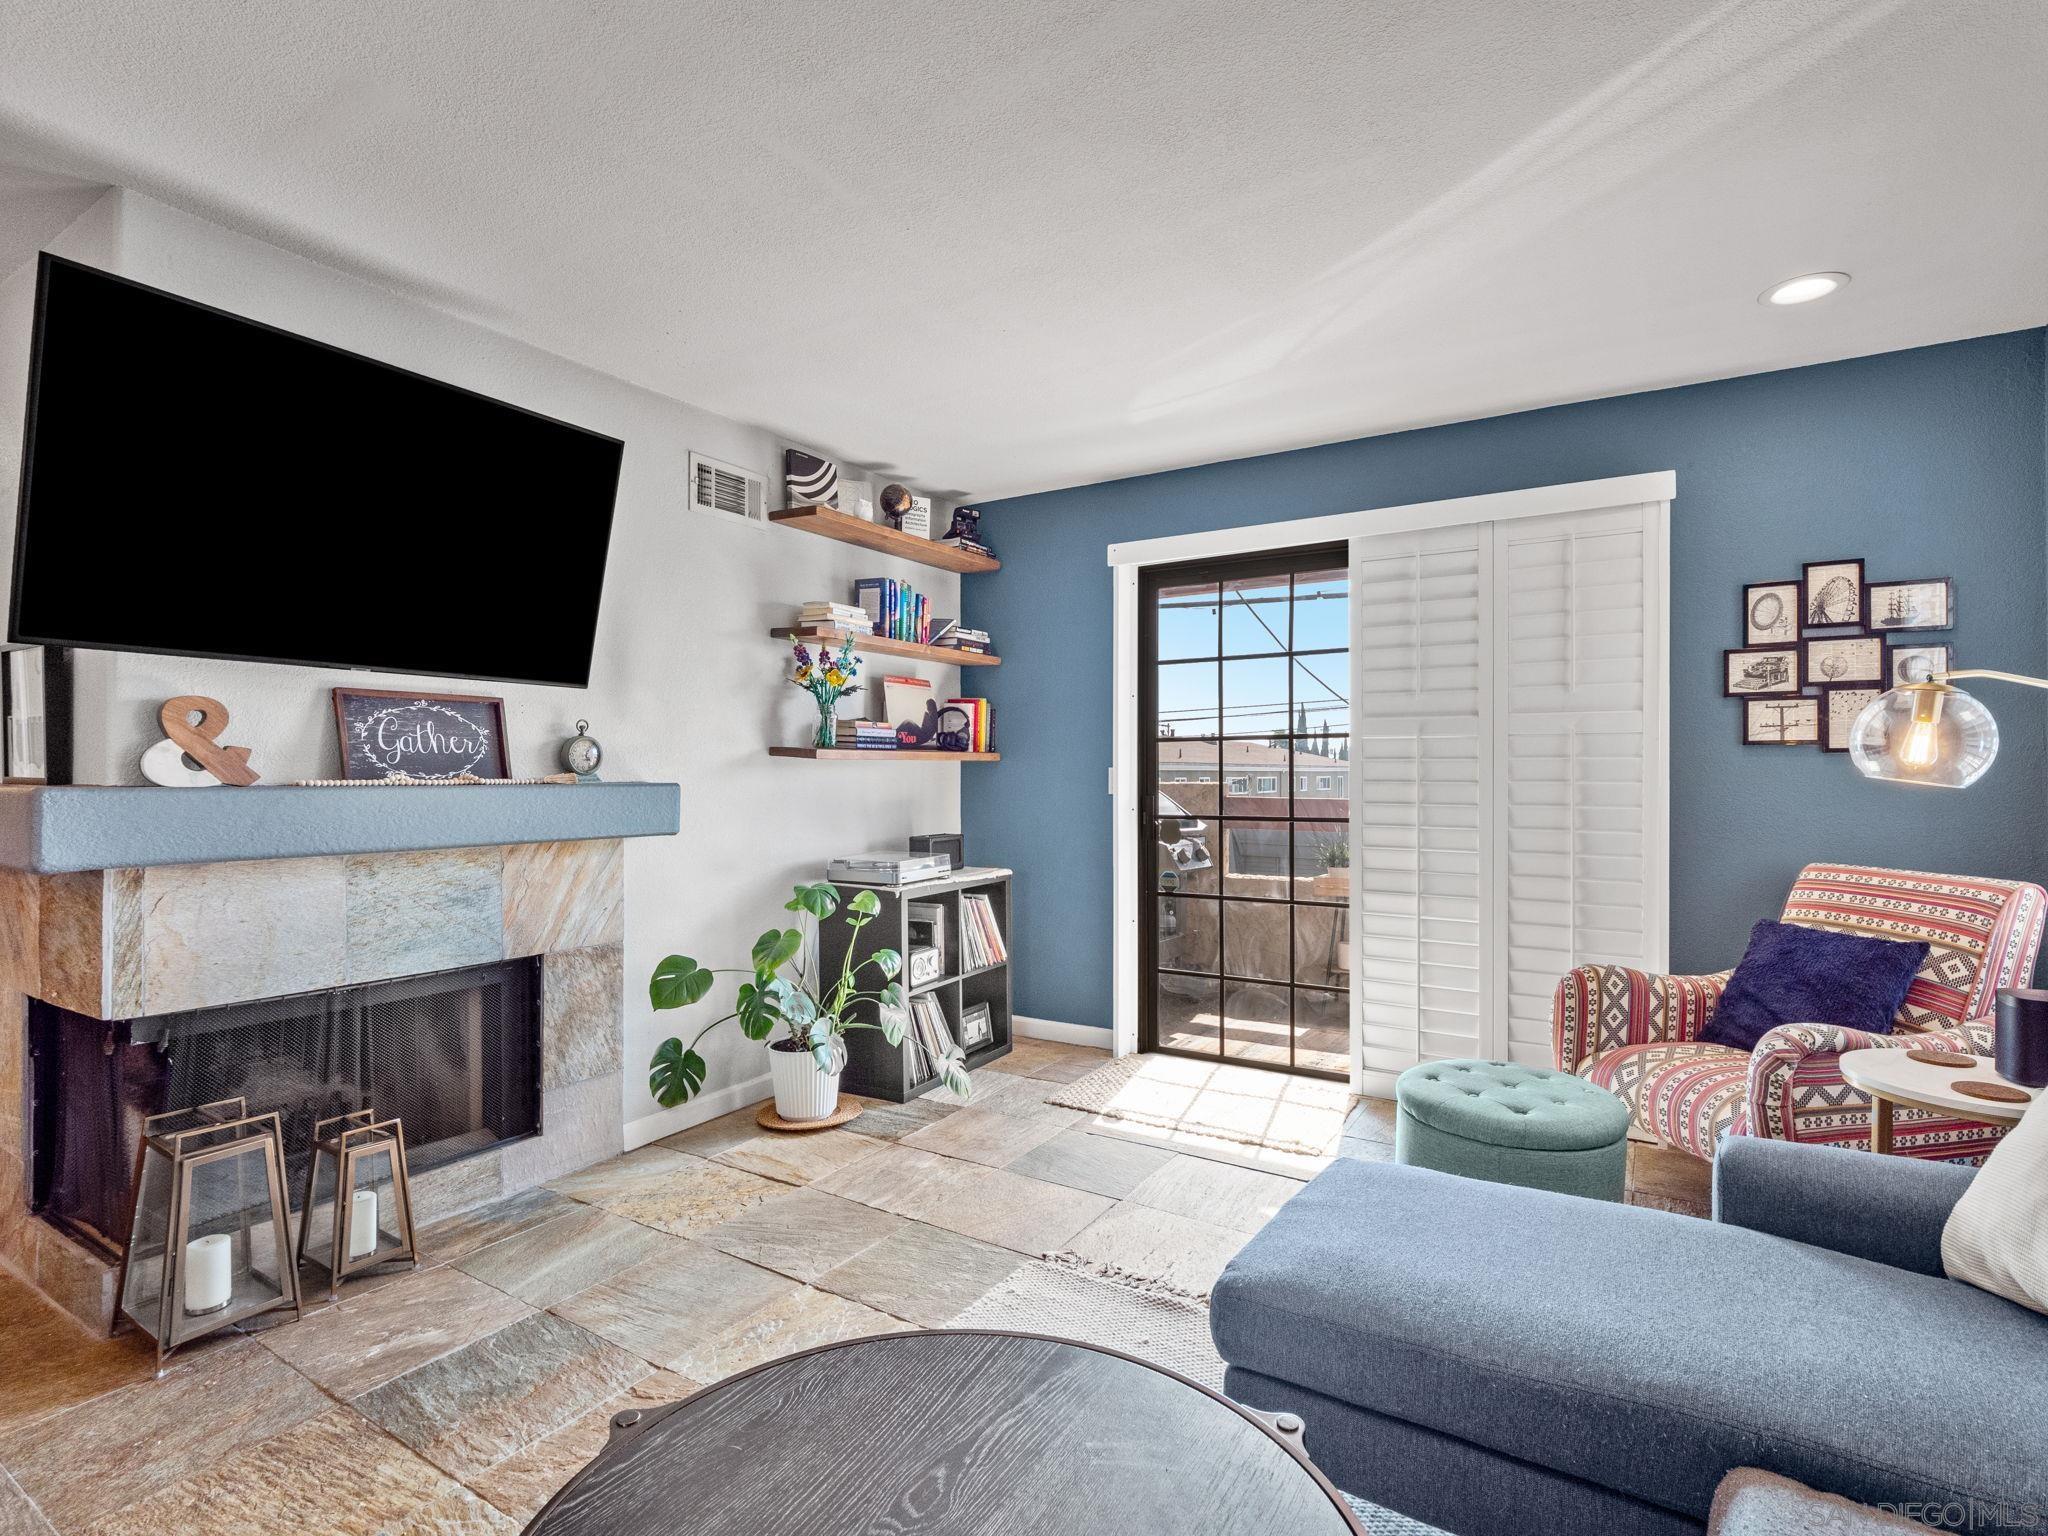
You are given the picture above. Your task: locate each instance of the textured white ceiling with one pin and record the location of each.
(999, 248)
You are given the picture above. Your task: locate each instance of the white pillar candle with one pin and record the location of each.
(209, 1273)
(362, 1224)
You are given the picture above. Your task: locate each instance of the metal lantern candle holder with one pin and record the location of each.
(362, 1211)
(209, 1238)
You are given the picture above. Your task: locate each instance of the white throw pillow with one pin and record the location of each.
(1997, 1236)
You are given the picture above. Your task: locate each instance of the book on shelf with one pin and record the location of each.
(980, 723)
(981, 938)
(829, 615)
(896, 609)
(960, 638)
(872, 735)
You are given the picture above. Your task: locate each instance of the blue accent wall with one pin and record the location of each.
(1925, 463)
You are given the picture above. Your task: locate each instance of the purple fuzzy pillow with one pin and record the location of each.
(1795, 975)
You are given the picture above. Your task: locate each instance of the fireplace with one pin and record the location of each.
(456, 1055)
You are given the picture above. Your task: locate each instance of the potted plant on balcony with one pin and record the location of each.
(787, 1003)
(1334, 880)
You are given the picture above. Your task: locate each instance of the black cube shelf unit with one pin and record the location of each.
(874, 1067)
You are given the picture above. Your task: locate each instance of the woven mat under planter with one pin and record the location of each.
(1215, 1101)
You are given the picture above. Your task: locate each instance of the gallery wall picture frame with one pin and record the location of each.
(1791, 721)
(1831, 594)
(1770, 612)
(1916, 663)
(1843, 660)
(1927, 602)
(1839, 709)
(1752, 670)
(388, 732)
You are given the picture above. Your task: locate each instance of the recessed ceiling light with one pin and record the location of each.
(1803, 290)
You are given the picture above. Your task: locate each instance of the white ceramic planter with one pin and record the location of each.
(802, 1092)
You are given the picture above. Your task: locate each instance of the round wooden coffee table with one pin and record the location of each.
(1891, 1077)
(974, 1433)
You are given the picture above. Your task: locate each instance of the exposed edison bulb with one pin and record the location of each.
(1921, 749)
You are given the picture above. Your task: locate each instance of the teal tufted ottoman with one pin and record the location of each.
(1513, 1125)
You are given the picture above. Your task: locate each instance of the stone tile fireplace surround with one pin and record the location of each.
(121, 942)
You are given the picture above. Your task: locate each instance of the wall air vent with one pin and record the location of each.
(726, 488)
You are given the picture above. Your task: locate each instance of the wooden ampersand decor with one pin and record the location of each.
(162, 763)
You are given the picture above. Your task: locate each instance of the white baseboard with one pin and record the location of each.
(1065, 1034)
(1376, 1084)
(708, 1106)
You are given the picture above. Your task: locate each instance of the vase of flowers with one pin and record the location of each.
(786, 1002)
(827, 679)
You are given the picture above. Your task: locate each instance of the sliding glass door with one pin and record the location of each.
(1245, 728)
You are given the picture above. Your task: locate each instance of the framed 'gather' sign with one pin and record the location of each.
(386, 733)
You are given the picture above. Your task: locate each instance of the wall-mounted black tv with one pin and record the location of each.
(197, 484)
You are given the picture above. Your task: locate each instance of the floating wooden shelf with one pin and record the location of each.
(945, 656)
(885, 754)
(883, 539)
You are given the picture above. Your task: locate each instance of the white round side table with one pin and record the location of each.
(1890, 1078)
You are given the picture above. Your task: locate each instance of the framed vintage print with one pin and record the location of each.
(1928, 603)
(1831, 594)
(1916, 663)
(1839, 709)
(976, 1029)
(1770, 613)
(1792, 722)
(1759, 669)
(388, 733)
(1845, 660)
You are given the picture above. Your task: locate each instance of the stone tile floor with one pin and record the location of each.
(452, 1401)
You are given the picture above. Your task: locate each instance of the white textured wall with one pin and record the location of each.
(685, 684)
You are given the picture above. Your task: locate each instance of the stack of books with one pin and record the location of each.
(981, 941)
(981, 736)
(822, 613)
(888, 868)
(952, 637)
(964, 541)
(872, 735)
(894, 609)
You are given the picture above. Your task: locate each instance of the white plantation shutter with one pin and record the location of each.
(1418, 760)
(1509, 755)
(1579, 853)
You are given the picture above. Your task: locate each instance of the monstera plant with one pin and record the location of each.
(786, 1002)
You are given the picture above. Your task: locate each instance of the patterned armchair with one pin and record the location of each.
(1638, 1035)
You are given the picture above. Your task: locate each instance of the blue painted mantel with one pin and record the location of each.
(50, 830)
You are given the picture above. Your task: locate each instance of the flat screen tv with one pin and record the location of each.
(197, 484)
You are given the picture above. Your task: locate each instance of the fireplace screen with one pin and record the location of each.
(454, 1055)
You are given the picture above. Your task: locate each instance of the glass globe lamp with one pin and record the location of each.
(1924, 733)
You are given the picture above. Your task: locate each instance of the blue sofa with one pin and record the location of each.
(1499, 1360)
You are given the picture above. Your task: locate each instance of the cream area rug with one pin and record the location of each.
(1212, 1106)
(1069, 1298)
